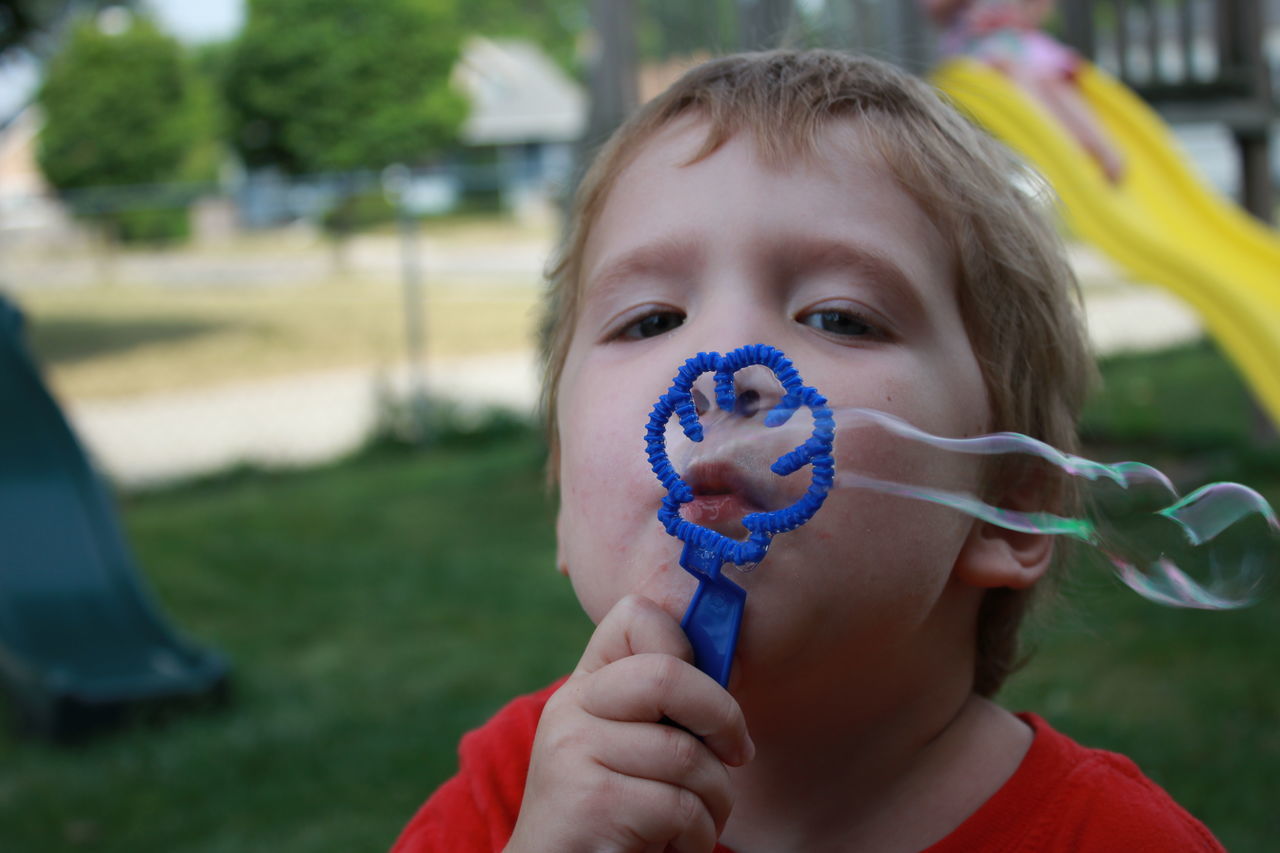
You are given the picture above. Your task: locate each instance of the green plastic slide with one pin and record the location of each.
(82, 643)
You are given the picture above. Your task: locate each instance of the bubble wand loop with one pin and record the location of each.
(714, 615)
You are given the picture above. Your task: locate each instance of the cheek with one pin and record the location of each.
(608, 534)
(889, 540)
(880, 549)
(858, 579)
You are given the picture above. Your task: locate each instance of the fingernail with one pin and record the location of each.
(750, 751)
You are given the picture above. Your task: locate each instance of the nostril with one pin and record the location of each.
(748, 403)
(700, 404)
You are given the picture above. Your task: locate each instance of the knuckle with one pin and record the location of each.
(687, 808)
(686, 754)
(602, 796)
(664, 675)
(729, 717)
(559, 702)
(565, 741)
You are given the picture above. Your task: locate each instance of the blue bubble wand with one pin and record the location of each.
(714, 616)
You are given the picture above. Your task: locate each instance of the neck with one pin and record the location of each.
(898, 774)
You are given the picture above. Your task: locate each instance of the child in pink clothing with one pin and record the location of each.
(1006, 35)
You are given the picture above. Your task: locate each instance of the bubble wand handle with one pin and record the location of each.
(714, 617)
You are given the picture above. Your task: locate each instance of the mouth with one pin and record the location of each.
(722, 495)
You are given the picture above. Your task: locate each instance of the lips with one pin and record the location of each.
(722, 495)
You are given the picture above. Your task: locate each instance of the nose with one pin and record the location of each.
(728, 322)
(746, 403)
(755, 391)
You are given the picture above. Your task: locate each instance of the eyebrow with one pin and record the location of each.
(807, 253)
(665, 257)
(804, 254)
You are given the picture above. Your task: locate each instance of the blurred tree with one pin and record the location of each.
(22, 19)
(335, 86)
(120, 112)
(209, 63)
(24, 22)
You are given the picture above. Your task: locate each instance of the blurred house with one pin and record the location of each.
(515, 151)
(526, 117)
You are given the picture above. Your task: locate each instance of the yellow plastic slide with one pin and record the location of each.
(1162, 223)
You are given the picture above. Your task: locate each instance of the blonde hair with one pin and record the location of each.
(1016, 293)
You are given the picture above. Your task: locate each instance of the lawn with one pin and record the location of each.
(374, 611)
(378, 607)
(264, 307)
(124, 340)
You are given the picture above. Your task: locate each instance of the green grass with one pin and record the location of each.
(372, 615)
(1187, 401)
(377, 608)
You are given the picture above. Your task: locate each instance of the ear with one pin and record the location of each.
(995, 557)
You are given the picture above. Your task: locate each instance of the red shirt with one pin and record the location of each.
(1063, 797)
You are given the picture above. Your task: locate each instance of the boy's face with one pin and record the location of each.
(831, 262)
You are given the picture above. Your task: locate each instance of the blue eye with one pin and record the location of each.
(839, 322)
(652, 325)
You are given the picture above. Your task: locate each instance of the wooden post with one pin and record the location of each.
(612, 86)
(1123, 48)
(1077, 27)
(612, 73)
(1257, 194)
(1241, 51)
(1186, 40)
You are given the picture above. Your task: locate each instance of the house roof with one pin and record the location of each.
(517, 95)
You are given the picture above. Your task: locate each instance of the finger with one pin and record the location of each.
(648, 687)
(634, 625)
(670, 755)
(664, 814)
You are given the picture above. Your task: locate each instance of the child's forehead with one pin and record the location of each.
(790, 193)
(824, 144)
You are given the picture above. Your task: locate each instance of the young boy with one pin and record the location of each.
(832, 207)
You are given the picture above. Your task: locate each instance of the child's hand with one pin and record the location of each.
(605, 774)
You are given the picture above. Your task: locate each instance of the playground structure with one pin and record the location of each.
(1161, 223)
(82, 643)
(1193, 61)
(1179, 61)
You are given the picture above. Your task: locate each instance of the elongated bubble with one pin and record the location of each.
(1209, 549)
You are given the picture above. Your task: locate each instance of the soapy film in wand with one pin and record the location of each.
(1209, 549)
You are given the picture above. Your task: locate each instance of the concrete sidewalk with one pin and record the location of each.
(309, 418)
(1126, 316)
(293, 420)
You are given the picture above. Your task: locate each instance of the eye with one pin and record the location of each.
(842, 322)
(653, 324)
